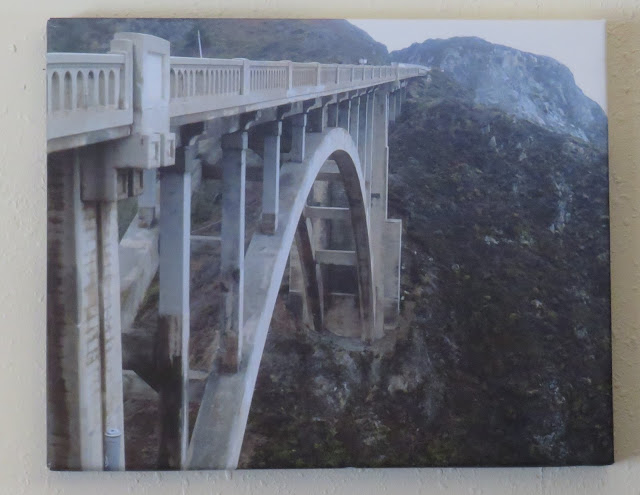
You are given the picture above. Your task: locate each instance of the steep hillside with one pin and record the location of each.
(503, 353)
(527, 86)
(299, 40)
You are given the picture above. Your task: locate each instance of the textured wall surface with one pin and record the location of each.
(23, 243)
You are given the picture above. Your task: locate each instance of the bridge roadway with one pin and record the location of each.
(114, 121)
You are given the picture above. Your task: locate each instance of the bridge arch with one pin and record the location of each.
(351, 178)
(219, 429)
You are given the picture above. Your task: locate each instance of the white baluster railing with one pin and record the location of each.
(92, 94)
(87, 92)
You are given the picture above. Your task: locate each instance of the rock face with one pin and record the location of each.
(530, 87)
(503, 355)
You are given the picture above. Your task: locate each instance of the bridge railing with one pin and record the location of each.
(88, 92)
(236, 82)
(90, 97)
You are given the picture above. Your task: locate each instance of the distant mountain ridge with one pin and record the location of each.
(298, 40)
(527, 86)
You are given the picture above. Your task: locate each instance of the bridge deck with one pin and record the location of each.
(90, 96)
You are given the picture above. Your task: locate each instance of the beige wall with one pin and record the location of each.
(22, 264)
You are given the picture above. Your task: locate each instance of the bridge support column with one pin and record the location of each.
(332, 115)
(298, 134)
(318, 119)
(344, 110)
(392, 106)
(378, 212)
(369, 144)
(296, 300)
(84, 348)
(304, 284)
(110, 323)
(148, 200)
(271, 178)
(354, 121)
(392, 264)
(234, 163)
(172, 339)
(398, 102)
(363, 119)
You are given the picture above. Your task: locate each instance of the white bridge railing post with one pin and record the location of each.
(245, 77)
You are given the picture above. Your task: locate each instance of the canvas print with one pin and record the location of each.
(296, 243)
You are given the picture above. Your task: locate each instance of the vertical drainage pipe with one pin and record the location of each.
(112, 439)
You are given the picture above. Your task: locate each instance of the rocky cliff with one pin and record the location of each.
(503, 355)
(527, 86)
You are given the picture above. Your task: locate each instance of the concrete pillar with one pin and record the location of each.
(392, 263)
(320, 235)
(296, 300)
(332, 115)
(398, 102)
(378, 212)
(110, 325)
(148, 200)
(172, 338)
(271, 177)
(392, 107)
(344, 110)
(354, 121)
(370, 144)
(298, 133)
(317, 119)
(234, 163)
(308, 275)
(84, 350)
(362, 131)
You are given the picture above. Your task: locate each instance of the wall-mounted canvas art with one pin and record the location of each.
(327, 243)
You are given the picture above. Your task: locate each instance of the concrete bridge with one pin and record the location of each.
(134, 122)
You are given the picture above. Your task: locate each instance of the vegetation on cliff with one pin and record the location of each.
(298, 40)
(503, 353)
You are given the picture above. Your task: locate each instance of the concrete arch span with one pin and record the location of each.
(219, 429)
